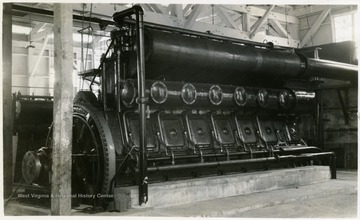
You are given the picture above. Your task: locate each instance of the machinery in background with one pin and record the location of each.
(177, 104)
(32, 119)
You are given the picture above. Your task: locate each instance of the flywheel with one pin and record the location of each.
(93, 152)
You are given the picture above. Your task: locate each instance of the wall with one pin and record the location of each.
(41, 84)
(23, 63)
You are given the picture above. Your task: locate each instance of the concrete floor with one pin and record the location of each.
(333, 199)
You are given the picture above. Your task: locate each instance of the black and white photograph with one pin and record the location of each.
(179, 109)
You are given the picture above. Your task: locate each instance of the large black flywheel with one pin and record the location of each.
(93, 157)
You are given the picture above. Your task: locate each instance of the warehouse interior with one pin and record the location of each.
(131, 109)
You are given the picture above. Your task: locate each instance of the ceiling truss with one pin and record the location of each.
(259, 23)
(226, 20)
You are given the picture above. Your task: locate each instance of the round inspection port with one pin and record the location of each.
(188, 94)
(128, 93)
(263, 97)
(215, 95)
(240, 96)
(158, 92)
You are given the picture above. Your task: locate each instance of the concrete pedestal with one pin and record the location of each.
(201, 189)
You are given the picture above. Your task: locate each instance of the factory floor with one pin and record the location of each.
(333, 199)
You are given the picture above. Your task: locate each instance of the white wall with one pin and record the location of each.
(22, 66)
(42, 81)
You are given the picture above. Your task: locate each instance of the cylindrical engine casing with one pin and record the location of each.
(176, 57)
(184, 58)
(330, 69)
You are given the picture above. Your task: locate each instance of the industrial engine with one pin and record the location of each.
(168, 104)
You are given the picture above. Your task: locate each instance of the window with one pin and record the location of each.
(345, 26)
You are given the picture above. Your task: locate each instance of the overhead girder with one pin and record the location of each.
(190, 19)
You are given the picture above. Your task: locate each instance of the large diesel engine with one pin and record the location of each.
(177, 104)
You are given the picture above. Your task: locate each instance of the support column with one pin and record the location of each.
(63, 108)
(30, 67)
(7, 99)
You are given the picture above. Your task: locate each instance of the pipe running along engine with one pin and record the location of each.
(176, 104)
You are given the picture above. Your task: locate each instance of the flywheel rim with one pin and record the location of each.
(86, 112)
(107, 145)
